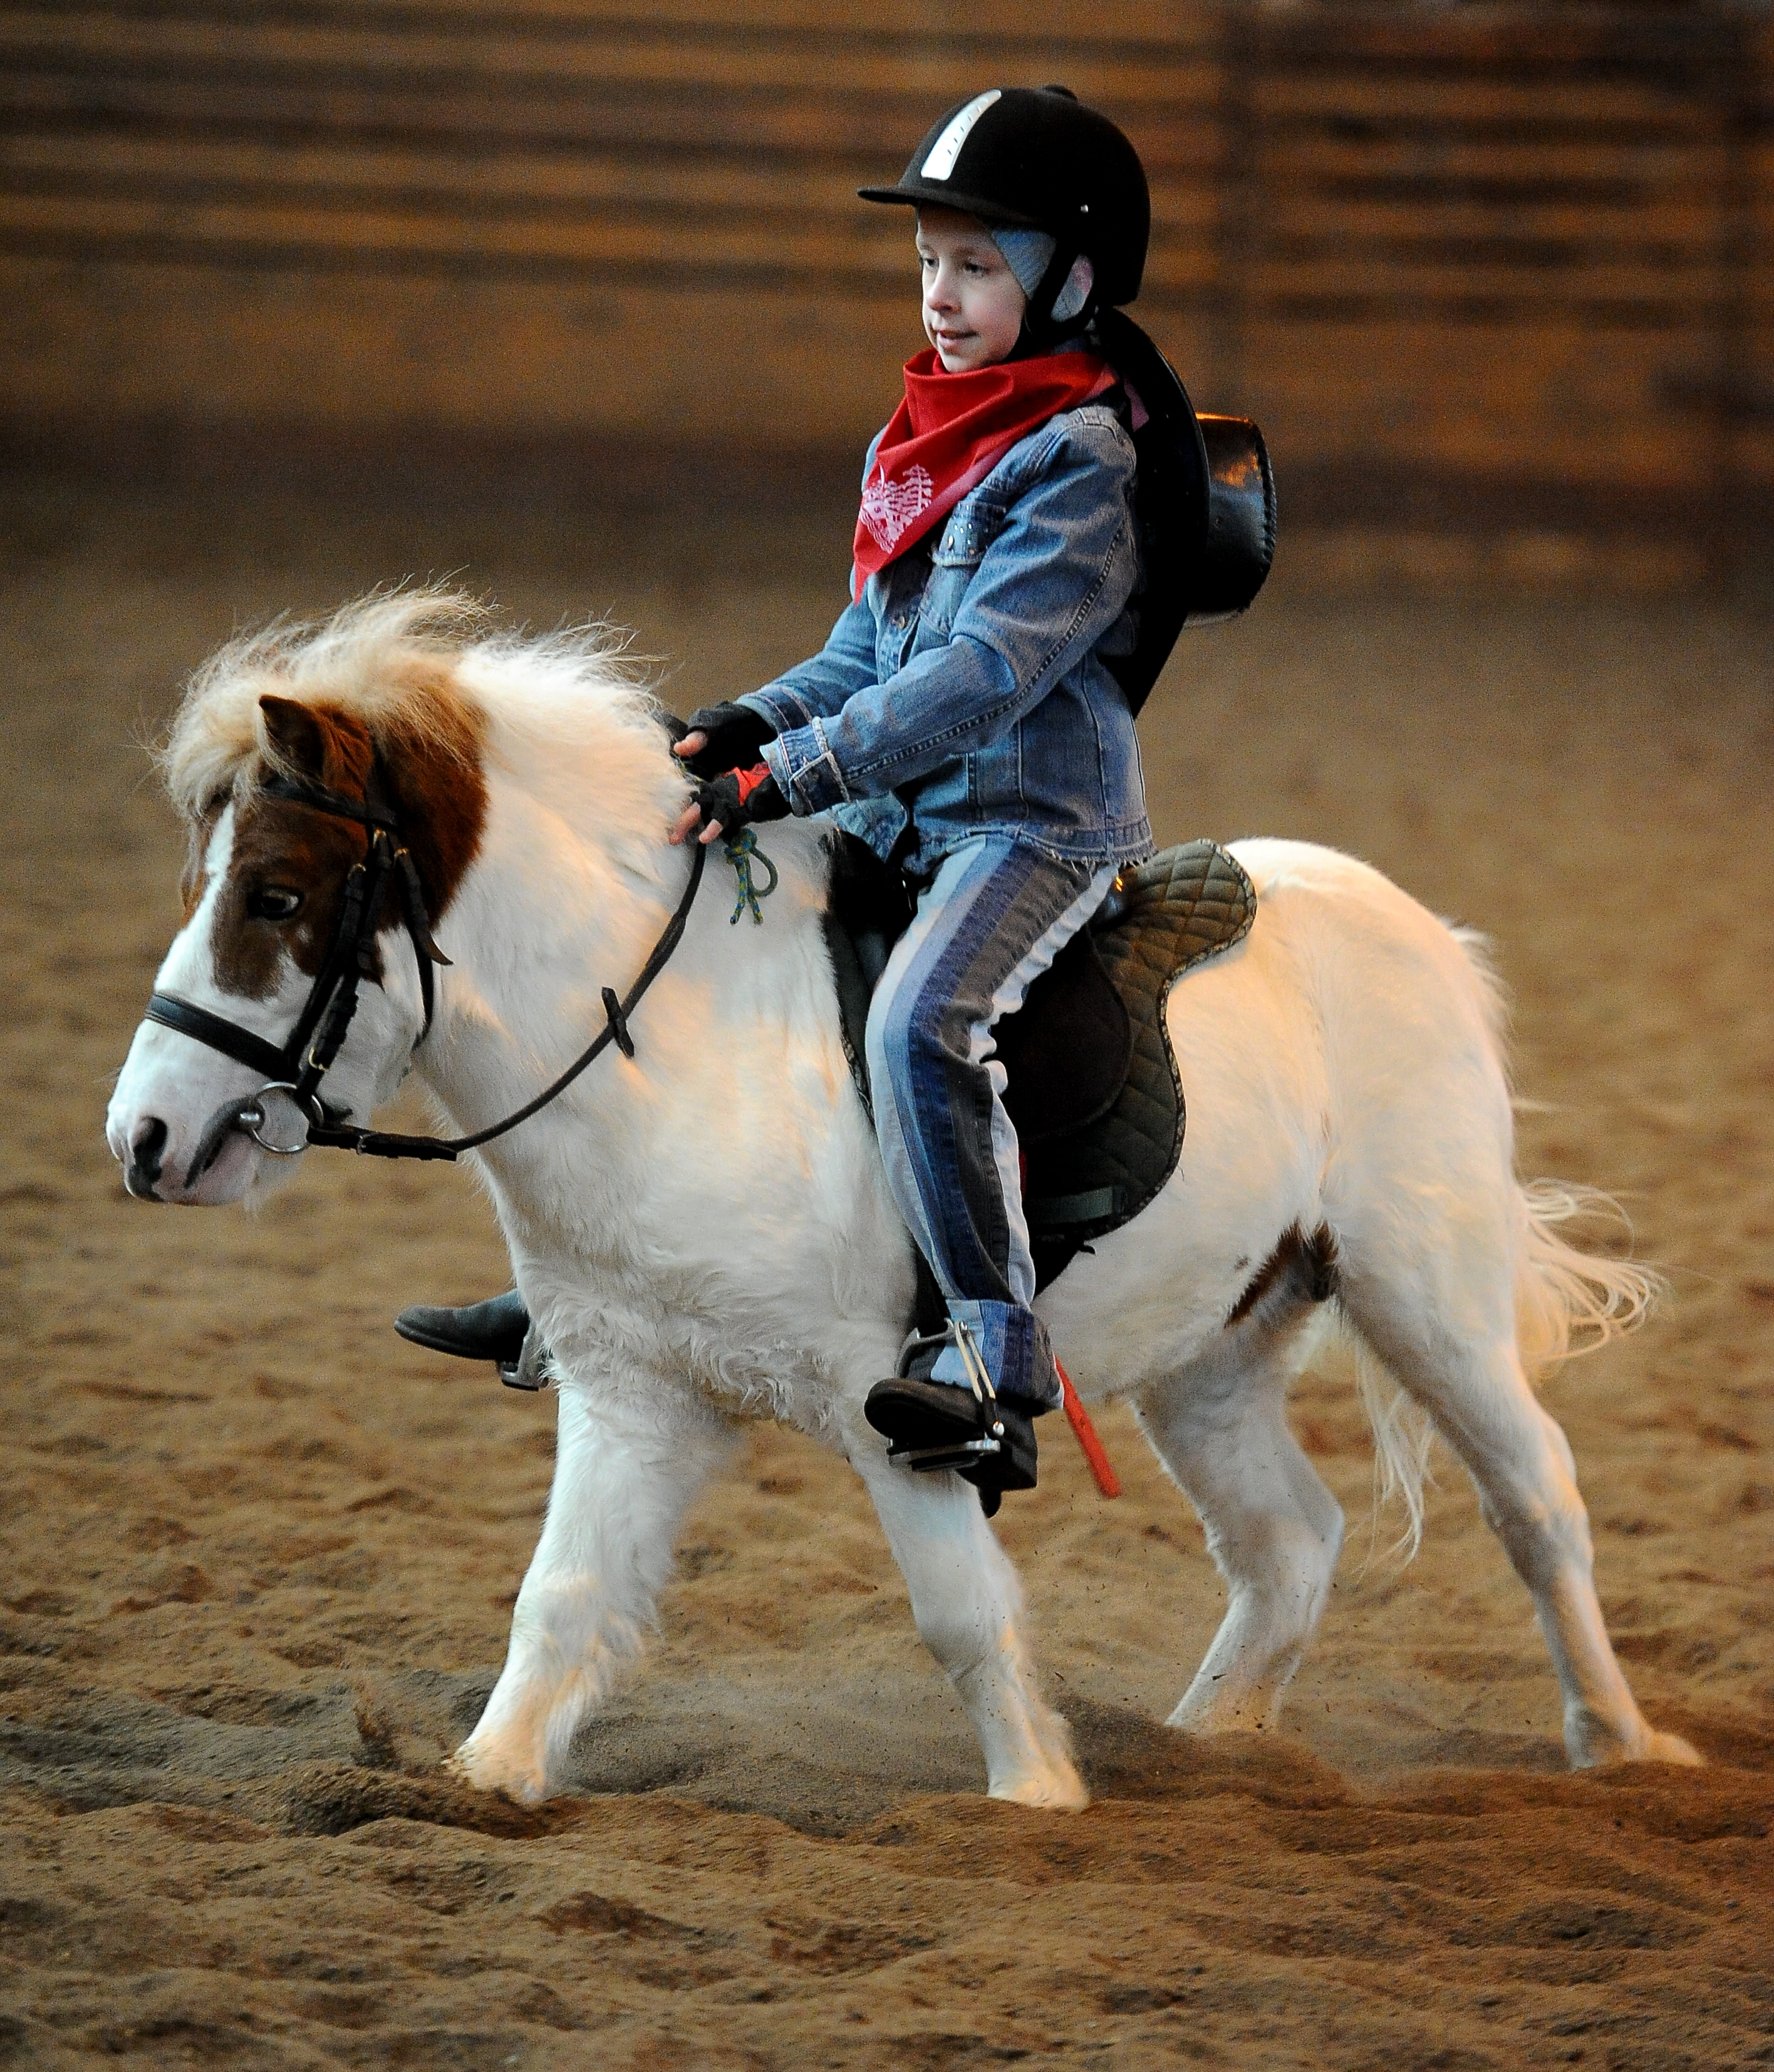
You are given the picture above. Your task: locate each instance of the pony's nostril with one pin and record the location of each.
(146, 1153)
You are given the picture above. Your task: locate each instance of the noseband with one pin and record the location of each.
(297, 1069)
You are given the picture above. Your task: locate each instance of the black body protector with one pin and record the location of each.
(1036, 158)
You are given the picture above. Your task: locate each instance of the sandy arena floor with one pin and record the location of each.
(260, 1556)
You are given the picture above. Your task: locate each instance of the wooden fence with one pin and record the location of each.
(1503, 258)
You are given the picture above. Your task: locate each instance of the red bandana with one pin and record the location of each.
(949, 432)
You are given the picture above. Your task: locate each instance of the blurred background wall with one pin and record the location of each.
(1498, 270)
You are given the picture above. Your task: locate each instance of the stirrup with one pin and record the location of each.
(988, 1436)
(528, 1370)
(964, 1453)
(929, 1424)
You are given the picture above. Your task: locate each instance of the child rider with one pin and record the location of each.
(962, 719)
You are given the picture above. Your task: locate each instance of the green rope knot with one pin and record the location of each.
(742, 852)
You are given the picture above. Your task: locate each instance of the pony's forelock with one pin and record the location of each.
(422, 665)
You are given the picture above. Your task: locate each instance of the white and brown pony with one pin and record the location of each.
(703, 1233)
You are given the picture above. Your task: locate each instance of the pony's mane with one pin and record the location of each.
(422, 666)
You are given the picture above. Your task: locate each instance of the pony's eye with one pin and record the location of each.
(273, 903)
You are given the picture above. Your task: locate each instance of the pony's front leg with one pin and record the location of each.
(622, 1483)
(968, 1605)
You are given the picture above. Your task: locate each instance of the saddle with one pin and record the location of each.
(1093, 1087)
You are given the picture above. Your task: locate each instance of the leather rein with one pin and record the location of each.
(298, 1068)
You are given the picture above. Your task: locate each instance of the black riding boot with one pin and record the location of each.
(491, 1330)
(988, 1440)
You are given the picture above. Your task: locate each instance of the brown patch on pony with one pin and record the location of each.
(281, 846)
(438, 794)
(1306, 1264)
(434, 785)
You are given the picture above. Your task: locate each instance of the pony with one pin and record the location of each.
(702, 1232)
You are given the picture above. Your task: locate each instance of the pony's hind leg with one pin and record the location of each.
(1478, 1397)
(621, 1487)
(1275, 1531)
(968, 1605)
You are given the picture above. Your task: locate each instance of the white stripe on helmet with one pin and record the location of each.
(947, 148)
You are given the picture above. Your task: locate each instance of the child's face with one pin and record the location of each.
(973, 305)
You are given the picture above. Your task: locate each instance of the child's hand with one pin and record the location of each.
(729, 803)
(689, 821)
(722, 737)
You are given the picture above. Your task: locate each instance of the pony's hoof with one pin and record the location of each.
(480, 1770)
(1254, 1714)
(1058, 1794)
(1649, 1746)
(1670, 1748)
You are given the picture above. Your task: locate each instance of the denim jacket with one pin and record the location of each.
(965, 689)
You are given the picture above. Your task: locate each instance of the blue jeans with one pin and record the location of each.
(991, 921)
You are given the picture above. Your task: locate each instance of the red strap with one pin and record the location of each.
(1079, 1420)
(751, 779)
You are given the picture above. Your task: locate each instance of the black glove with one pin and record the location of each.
(739, 798)
(736, 733)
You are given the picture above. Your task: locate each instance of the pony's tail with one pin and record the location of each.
(1403, 1437)
(1568, 1301)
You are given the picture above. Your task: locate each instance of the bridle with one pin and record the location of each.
(319, 1033)
(297, 1070)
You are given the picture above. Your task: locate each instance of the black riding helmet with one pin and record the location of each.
(1036, 158)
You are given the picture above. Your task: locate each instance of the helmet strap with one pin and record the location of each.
(1041, 332)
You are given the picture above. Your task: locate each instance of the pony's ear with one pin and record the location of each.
(328, 748)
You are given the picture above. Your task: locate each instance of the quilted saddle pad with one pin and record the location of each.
(1164, 917)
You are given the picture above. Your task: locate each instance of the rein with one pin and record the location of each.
(297, 1069)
